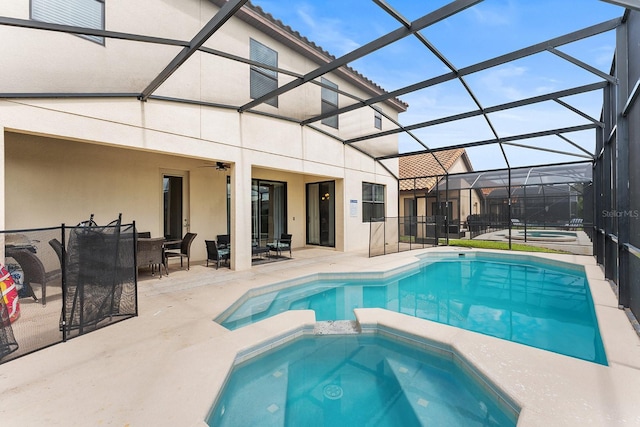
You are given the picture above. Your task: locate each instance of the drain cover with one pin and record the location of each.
(332, 391)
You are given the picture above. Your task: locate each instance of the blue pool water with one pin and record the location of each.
(532, 303)
(356, 381)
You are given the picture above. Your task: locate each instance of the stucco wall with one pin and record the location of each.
(61, 63)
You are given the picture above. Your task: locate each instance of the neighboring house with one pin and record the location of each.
(423, 194)
(93, 124)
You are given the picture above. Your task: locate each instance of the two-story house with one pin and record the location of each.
(159, 114)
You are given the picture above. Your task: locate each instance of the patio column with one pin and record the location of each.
(241, 215)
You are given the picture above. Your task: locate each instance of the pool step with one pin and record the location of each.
(423, 389)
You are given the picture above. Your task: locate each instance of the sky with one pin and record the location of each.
(484, 31)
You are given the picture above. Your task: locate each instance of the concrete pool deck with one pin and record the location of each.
(166, 366)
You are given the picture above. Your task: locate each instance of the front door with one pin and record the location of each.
(321, 213)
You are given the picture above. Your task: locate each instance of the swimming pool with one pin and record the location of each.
(357, 381)
(522, 299)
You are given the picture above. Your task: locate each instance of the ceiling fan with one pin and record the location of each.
(220, 166)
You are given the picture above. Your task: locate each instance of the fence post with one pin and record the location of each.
(63, 268)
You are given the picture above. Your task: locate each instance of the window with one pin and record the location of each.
(329, 102)
(262, 80)
(79, 13)
(372, 202)
(377, 119)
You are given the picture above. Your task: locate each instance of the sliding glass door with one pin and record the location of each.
(321, 213)
(268, 210)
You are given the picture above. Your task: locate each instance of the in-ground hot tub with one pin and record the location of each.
(356, 380)
(545, 235)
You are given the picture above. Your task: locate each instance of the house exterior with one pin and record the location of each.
(421, 194)
(96, 125)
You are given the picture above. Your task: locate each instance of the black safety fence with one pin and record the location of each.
(616, 172)
(399, 234)
(62, 282)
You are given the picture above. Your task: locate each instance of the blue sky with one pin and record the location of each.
(484, 31)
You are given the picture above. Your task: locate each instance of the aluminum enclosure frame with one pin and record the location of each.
(233, 8)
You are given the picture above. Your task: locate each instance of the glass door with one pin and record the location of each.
(321, 213)
(173, 217)
(268, 211)
(410, 217)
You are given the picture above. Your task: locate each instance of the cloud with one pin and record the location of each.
(603, 56)
(495, 15)
(326, 32)
(505, 81)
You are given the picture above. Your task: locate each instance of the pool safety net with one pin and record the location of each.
(67, 281)
(100, 276)
(8, 343)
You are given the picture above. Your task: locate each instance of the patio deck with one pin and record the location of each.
(165, 366)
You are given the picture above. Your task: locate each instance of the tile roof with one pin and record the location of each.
(425, 165)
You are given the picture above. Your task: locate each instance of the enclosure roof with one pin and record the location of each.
(548, 175)
(559, 119)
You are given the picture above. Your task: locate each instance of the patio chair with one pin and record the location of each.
(57, 247)
(216, 254)
(150, 253)
(223, 241)
(183, 252)
(281, 244)
(574, 224)
(34, 271)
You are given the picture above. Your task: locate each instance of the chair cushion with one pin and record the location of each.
(278, 245)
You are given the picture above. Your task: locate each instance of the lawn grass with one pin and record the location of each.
(487, 244)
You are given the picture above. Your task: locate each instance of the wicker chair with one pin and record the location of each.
(216, 254)
(150, 252)
(223, 241)
(33, 270)
(57, 247)
(183, 252)
(281, 244)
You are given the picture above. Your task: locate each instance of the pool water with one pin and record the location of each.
(544, 233)
(551, 235)
(356, 381)
(536, 304)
